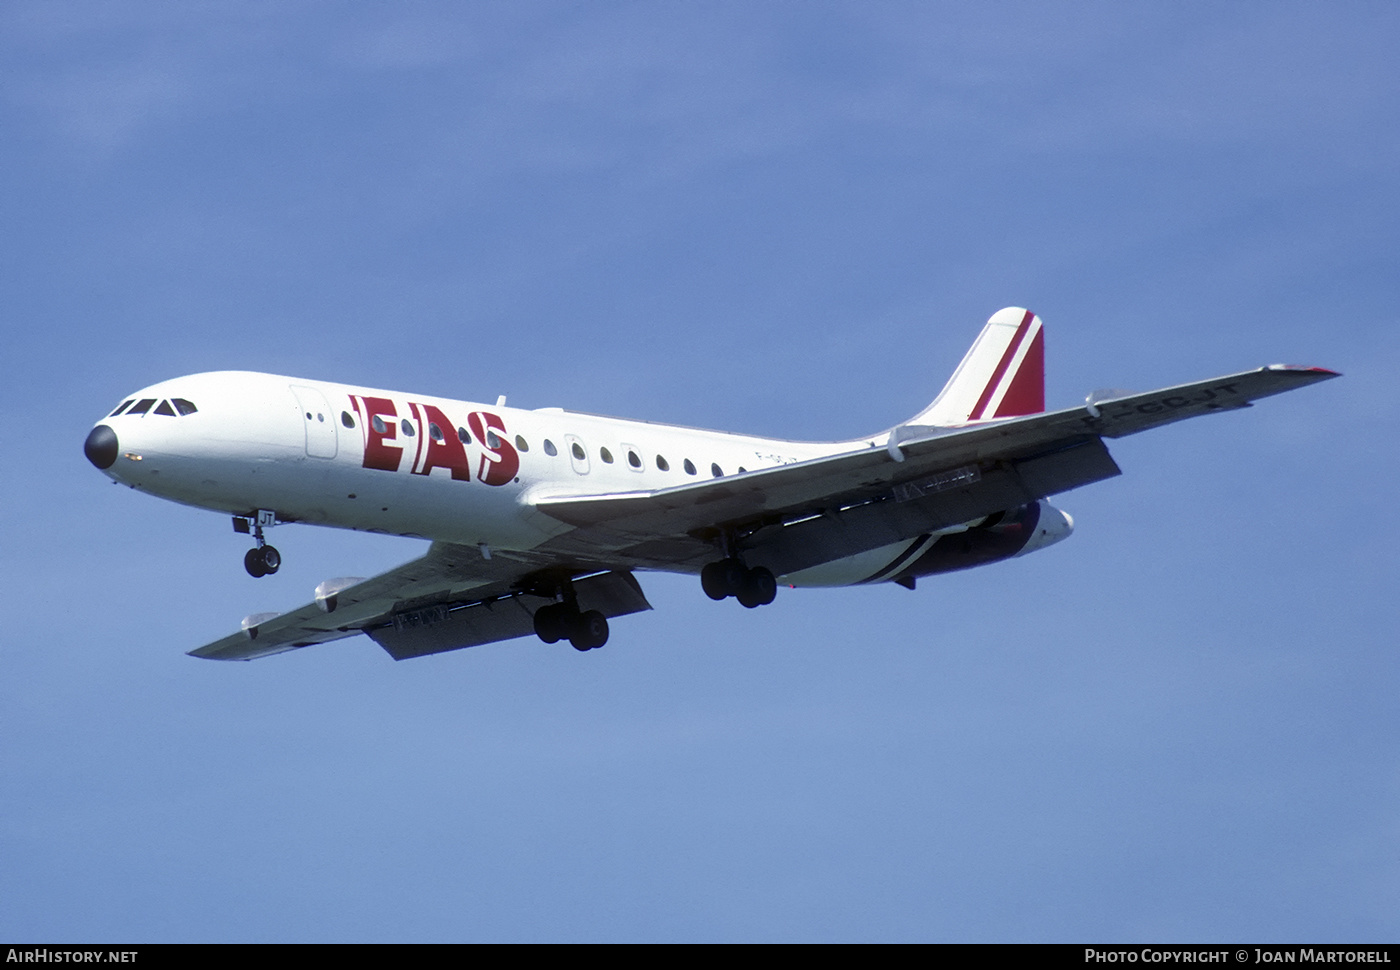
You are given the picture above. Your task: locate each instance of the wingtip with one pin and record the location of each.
(1322, 373)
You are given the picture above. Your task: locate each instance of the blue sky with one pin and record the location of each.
(780, 218)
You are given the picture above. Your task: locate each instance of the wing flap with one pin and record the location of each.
(431, 631)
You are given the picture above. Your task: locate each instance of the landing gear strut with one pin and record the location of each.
(585, 630)
(263, 559)
(730, 577)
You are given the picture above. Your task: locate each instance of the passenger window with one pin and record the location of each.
(716, 471)
(407, 428)
(142, 406)
(578, 451)
(549, 448)
(492, 441)
(662, 464)
(346, 419)
(606, 455)
(434, 432)
(121, 407)
(689, 467)
(464, 436)
(183, 406)
(634, 459)
(521, 443)
(377, 423)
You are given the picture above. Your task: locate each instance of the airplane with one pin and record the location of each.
(539, 519)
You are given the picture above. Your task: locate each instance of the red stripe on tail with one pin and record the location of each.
(1026, 395)
(1004, 363)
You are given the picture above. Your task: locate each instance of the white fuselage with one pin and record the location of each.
(413, 465)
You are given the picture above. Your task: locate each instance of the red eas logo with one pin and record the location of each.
(435, 441)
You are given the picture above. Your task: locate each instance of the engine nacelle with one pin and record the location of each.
(1004, 535)
(1008, 535)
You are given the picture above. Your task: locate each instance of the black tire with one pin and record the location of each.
(271, 559)
(549, 623)
(252, 561)
(722, 578)
(763, 586)
(590, 631)
(712, 580)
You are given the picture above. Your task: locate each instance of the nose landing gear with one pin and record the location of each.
(262, 559)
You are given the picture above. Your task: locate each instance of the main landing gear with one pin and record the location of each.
(730, 577)
(563, 621)
(262, 559)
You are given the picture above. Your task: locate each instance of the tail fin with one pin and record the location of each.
(1002, 376)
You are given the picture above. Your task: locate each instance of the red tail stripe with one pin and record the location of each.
(1005, 362)
(1025, 389)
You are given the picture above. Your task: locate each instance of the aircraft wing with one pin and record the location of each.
(448, 599)
(1050, 452)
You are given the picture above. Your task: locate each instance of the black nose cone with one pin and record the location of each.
(101, 447)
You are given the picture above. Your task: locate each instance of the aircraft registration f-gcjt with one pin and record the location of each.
(540, 518)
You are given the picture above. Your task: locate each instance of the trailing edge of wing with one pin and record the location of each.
(912, 453)
(437, 630)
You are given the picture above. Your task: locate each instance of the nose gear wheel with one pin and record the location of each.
(262, 561)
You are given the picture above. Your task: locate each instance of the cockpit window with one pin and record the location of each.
(142, 406)
(165, 408)
(183, 406)
(121, 407)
